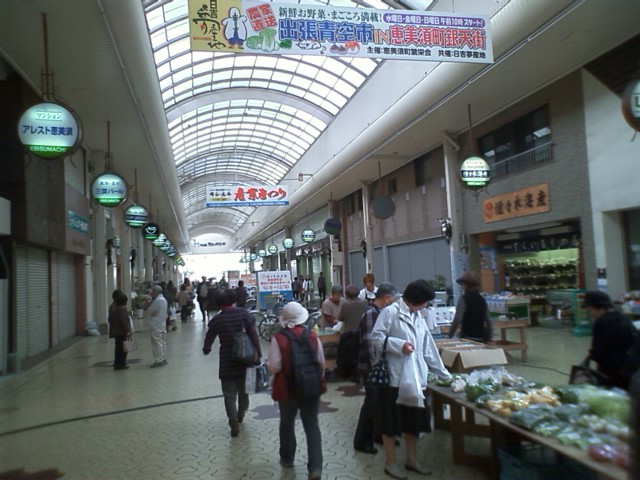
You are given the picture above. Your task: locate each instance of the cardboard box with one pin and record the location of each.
(460, 356)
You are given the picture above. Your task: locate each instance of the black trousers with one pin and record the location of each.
(363, 437)
(120, 356)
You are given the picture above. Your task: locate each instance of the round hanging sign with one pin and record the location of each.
(631, 104)
(160, 239)
(332, 226)
(475, 172)
(383, 207)
(49, 130)
(287, 242)
(150, 231)
(262, 253)
(109, 190)
(253, 257)
(308, 235)
(272, 249)
(136, 216)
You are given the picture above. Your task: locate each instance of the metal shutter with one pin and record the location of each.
(33, 297)
(63, 291)
(411, 261)
(357, 264)
(21, 301)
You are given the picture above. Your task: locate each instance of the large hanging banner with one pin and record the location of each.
(287, 29)
(252, 196)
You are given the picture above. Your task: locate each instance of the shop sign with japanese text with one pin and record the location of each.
(526, 201)
(49, 130)
(136, 216)
(330, 30)
(109, 190)
(274, 281)
(254, 195)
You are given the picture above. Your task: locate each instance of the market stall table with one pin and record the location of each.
(501, 433)
(521, 344)
(329, 340)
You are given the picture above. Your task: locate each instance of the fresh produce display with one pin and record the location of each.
(590, 418)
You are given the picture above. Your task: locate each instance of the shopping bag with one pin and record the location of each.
(130, 345)
(256, 379)
(583, 374)
(243, 350)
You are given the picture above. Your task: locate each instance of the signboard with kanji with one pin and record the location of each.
(526, 201)
(254, 195)
(271, 286)
(49, 130)
(332, 30)
(109, 189)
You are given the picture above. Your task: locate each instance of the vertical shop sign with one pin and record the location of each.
(526, 201)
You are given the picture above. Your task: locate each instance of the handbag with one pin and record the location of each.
(130, 345)
(243, 349)
(583, 374)
(379, 373)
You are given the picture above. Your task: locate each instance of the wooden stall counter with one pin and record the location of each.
(514, 344)
(501, 433)
(329, 340)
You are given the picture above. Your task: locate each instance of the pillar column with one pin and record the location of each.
(99, 269)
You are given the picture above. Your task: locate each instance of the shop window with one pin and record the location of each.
(354, 203)
(632, 240)
(520, 144)
(422, 169)
(392, 186)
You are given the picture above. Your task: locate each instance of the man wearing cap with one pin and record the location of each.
(363, 439)
(472, 312)
(613, 335)
(293, 319)
(157, 327)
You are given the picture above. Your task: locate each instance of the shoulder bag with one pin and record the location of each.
(243, 349)
(379, 373)
(583, 374)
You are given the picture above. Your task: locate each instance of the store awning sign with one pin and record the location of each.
(136, 216)
(243, 195)
(109, 190)
(49, 130)
(525, 201)
(475, 173)
(335, 31)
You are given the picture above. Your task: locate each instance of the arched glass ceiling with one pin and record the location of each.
(252, 116)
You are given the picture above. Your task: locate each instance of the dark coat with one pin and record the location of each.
(613, 335)
(229, 321)
(119, 321)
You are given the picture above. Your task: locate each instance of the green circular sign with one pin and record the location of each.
(151, 231)
(262, 252)
(308, 235)
(475, 172)
(109, 190)
(49, 130)
(136, 216)
(272, 249)
(287, 242)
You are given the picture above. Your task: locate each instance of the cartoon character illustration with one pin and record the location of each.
(235, 30)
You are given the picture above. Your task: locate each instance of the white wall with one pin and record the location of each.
(614, 171)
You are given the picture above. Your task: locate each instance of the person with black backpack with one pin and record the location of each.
(296, 360)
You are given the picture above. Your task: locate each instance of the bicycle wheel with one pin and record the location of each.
(264, 328)
(275, 328)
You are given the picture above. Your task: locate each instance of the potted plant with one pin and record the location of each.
(138, 304)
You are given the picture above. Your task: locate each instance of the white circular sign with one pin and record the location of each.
(272, 249)
(631, 104)
(475, 172)
(288, 242)
(49, 130)
(308, 235)
(109, 190)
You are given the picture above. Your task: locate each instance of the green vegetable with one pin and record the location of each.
(473, 391)
(532, 416)
(610, 404)
(269, 43)
(482, 399)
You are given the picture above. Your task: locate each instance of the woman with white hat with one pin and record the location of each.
(294, 317)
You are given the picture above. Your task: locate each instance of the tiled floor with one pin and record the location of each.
(74, 414)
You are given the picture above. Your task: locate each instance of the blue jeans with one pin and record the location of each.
(309, 414)
(233, 390)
